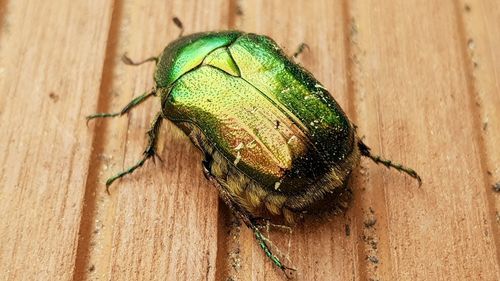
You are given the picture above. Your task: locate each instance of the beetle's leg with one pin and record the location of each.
(250, 222)
(247, 218)
(136, 101)
(126, 60)
(365, 151)
(148, 153)
(300, 49)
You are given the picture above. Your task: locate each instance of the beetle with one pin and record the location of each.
(274, 141)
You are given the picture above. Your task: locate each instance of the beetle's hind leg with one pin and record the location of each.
(136, 101)
(365, 151)
(251, 223)
(248, 219)
(148, 153)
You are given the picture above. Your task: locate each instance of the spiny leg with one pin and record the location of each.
(261, 240)
(248, 219)
(136, 101)
(300, 49)
(148, 153)
(268, 225)
(365, 151)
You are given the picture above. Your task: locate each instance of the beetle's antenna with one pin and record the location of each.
(178, 23)
(365, 151)
(126, 60)
(301, 49)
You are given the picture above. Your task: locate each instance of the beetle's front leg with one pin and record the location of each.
(136, 101)
(148, 153)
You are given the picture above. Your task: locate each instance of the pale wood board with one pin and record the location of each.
(415, 95)
(421, 79)
(482, 29)
(167, 210)
(51, 57)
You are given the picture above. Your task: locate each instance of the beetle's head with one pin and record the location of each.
(188, 52)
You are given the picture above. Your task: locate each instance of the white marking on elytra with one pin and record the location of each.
(277, 185)
(251, 144)
(320, 86)
(238, 158)
(239, 147)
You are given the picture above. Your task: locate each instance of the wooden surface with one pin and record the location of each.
(421, 79)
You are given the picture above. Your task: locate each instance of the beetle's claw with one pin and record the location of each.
(126, 60)
(157, 156)
(109, 181)
(87, 119)
(260, 222)
(154, 156)
(289, 272)
(417, 177)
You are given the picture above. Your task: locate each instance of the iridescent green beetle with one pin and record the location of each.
(274, 140)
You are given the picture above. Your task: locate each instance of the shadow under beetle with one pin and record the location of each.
(274, 140)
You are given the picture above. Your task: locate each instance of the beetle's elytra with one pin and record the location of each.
(274, 140)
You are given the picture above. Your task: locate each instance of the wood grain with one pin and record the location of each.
(161, 222)
(50, 68)
(419, 100)
(421, 79)
(481, 32)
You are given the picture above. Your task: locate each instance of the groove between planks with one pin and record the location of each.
(476, 118)
(82, 263)
(355, 62)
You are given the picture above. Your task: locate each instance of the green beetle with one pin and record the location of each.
(274, 140)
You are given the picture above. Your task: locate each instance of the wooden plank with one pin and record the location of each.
(482, 36)
(161, 222)
(51, 55)
(419, 78)
(319, 249)
(414, 105)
